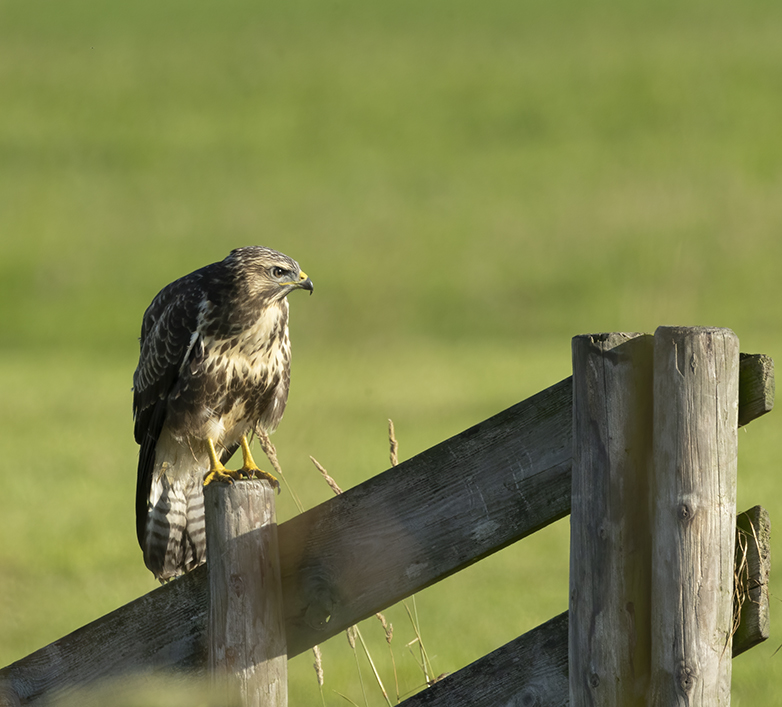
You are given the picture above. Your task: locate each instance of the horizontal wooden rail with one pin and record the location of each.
(366, 549)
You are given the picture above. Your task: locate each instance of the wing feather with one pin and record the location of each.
(168, 331)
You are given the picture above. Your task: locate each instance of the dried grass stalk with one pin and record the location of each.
(392, 443)
(271, 454)
(325, 474)
(318, 664)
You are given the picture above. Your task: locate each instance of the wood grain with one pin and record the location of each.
(426, 518)
(610, 543)
(696, 381)
(246, 632)
(756, 386)
(529, 670)
(752, 568)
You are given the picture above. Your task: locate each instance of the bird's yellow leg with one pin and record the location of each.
(250, 468)
(217, 472)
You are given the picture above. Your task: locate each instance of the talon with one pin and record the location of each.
(251, 469)
(266, 476)
(218, 476)
(217, 472)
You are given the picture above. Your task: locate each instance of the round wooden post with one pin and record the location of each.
(246, 630)
(696, 375)
(610, 547)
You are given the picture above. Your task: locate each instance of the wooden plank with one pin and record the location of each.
(530, 670)
(696, 380)
(519, 460)
(164, 627)
(610, 538)
(756, 386)
(752, 567)
(427, 518)
(247, 655)
(354, 554)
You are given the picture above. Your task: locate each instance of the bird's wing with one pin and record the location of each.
(169, 334)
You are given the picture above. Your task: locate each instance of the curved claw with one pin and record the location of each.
(217, 472)
(250, 470)
(265, 476)
(221, 476)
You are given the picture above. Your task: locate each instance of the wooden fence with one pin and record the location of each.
(641, 441)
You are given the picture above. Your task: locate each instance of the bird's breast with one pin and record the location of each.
(249, 356)
(239, 376)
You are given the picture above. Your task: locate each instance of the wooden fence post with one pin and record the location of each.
(610, 545)
(246, 630)
(696, 376)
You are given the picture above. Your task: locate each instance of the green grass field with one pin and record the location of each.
(468, 184)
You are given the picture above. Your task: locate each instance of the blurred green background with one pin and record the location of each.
(468, 184)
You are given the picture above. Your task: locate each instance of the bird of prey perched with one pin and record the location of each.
(214, 367)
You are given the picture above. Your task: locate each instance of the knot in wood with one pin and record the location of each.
(237, 584)
(594, 680)
(320, 593)
(528, 697)
(684, 513)
(317, 616)
(685, 678)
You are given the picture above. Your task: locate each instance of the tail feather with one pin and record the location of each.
(175, 534)
(170, 504)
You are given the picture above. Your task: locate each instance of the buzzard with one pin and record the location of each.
(214, 367)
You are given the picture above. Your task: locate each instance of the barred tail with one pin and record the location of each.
(174, 540)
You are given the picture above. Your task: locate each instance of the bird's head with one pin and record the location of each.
(268, 273)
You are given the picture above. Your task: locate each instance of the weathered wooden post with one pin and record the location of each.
(696, 376)
(610, 543)
(246, 630)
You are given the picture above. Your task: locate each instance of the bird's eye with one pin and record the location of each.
(278, 272)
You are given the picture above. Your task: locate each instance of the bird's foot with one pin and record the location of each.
(224, 476)
(251, 471)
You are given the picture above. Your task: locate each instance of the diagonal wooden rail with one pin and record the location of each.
(432, 515)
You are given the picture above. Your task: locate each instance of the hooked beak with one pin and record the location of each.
(305, 283)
